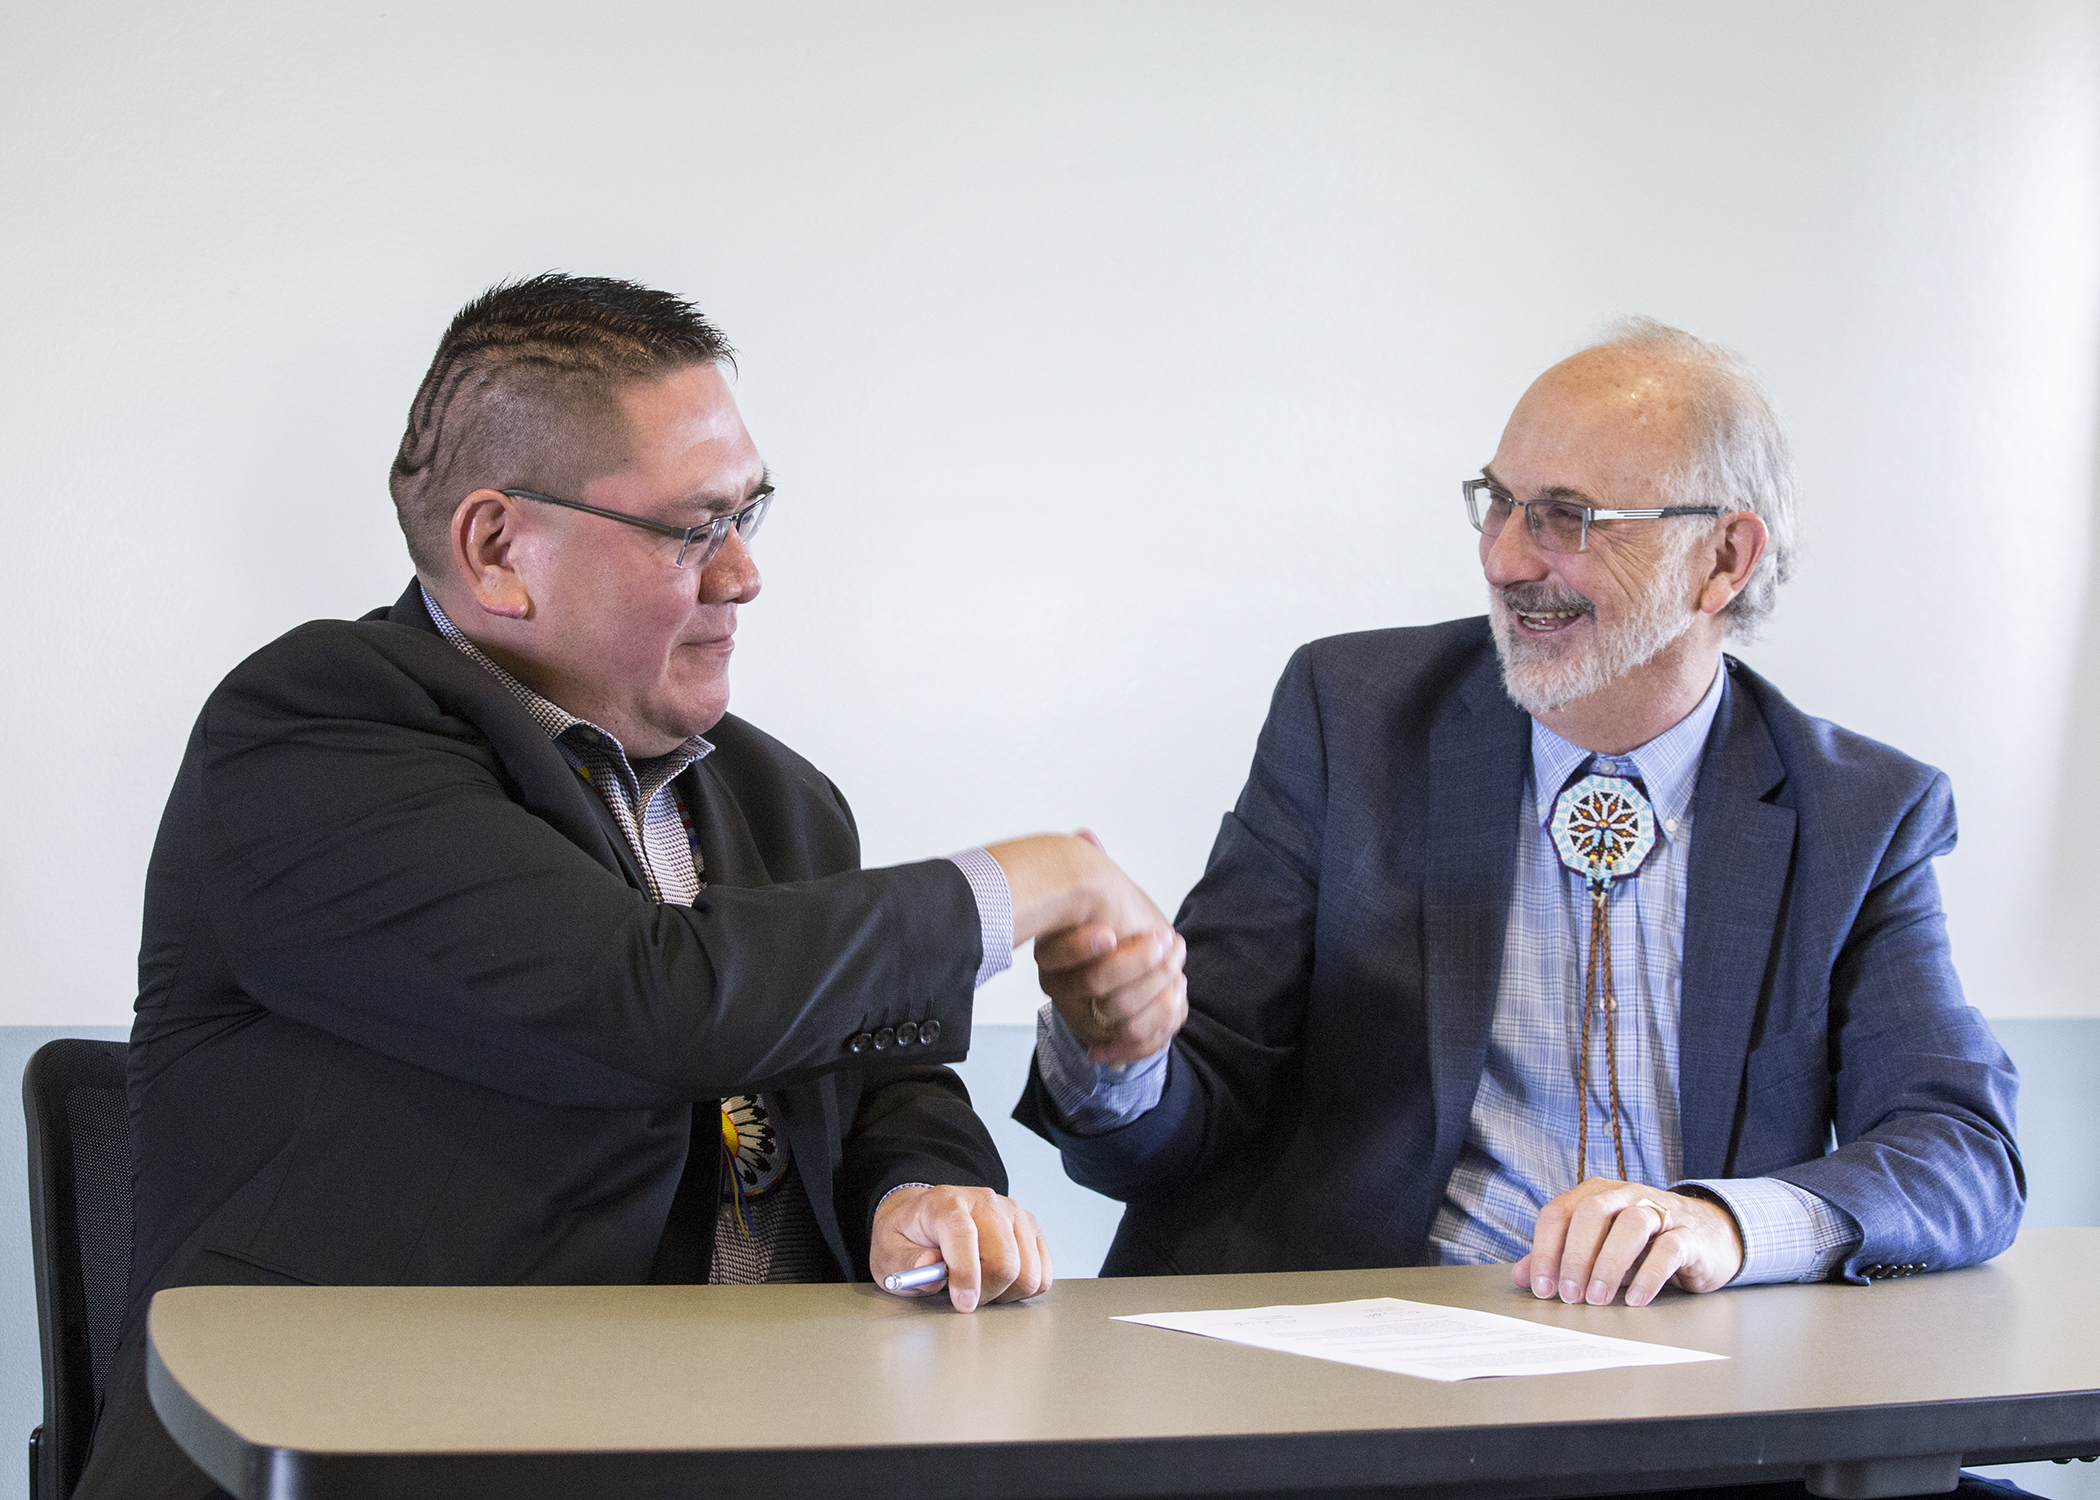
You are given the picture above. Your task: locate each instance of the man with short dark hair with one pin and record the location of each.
(1559, 938)
(483, 946)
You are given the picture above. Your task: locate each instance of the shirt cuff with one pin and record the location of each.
(900, 1187)
(1789, 1234)
(1087, 1097)
(995, 910)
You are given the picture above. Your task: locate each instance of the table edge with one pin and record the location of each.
(1484, 1461)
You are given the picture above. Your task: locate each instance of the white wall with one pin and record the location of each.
(1103, 354)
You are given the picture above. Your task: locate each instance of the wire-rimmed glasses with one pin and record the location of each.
(697, 545)
(1556, 525)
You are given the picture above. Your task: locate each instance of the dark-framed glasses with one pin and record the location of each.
(697, 545)
(1556, 525)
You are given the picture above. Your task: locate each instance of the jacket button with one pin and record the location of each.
(861, 1042)
(883, 1038)
(929, 1032)
(907, 1034)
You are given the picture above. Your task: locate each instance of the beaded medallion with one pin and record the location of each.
(1603, 828)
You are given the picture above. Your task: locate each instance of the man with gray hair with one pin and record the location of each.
(1558, 937)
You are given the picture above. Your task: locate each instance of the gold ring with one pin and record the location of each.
(1094, 1009)
(1660, 1212)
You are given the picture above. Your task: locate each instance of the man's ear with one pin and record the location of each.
(1742, 543)
(485, 531)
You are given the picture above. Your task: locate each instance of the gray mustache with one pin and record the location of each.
(1535, 599)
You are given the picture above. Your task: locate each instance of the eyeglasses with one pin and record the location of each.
(1556, 525)
(697, 545)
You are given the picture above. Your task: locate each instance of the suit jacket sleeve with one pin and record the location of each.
(374, 862)
(1922, 1096)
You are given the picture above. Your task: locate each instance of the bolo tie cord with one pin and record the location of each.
(1600, 960)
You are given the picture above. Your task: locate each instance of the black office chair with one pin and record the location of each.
(80, 1236)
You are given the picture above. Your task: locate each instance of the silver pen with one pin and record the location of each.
(904, 1281)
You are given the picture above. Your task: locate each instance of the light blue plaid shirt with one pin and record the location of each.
(1520, 1147)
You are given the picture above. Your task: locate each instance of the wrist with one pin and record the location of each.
(1720, 1219)
(882, 1204)
(1050, 878)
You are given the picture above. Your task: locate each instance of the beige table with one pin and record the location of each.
(781, 1391)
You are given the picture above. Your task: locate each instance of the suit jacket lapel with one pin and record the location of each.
(1741, 856)
(728, 853)
(548, 786)
(1477, 755)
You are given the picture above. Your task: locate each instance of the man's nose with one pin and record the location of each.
(1512, 555)
(731, 576)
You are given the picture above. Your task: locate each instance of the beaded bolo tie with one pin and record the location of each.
(1603, 827)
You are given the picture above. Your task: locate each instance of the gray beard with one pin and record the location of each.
(1540, 676)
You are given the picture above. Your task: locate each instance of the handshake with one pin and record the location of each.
(1110, 961)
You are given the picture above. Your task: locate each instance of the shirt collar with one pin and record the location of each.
(557, 721)
(1667, 765)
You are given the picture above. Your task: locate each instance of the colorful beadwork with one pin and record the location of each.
(1603, 828)
(754, 1154)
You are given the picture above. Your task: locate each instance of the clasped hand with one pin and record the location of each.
(1591, 1239)
(1123, 997)
(1107, 957)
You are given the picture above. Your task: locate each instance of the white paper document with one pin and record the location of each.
(1419, 1338)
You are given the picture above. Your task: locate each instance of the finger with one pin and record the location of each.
(957, 1232)
(1667, 1255)
(1028, 1259)
(998, 1249)
(1056, 952)
(1144, 1034)
(1520, 1273)
(1042, 1249)
(1631, 1228)
(1548, 1237)
(1130, 1000)
(1135, 965)
(1588, 1223)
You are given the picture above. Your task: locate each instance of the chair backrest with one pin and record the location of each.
(80, 1237)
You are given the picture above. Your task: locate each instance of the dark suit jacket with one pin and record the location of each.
(1346, 938)
(407, 1014)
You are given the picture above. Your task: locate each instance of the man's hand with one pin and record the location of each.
(994, 1248)
(1108, 957)
(1590, 1238)
(1063, 880)
(1124, 1000)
